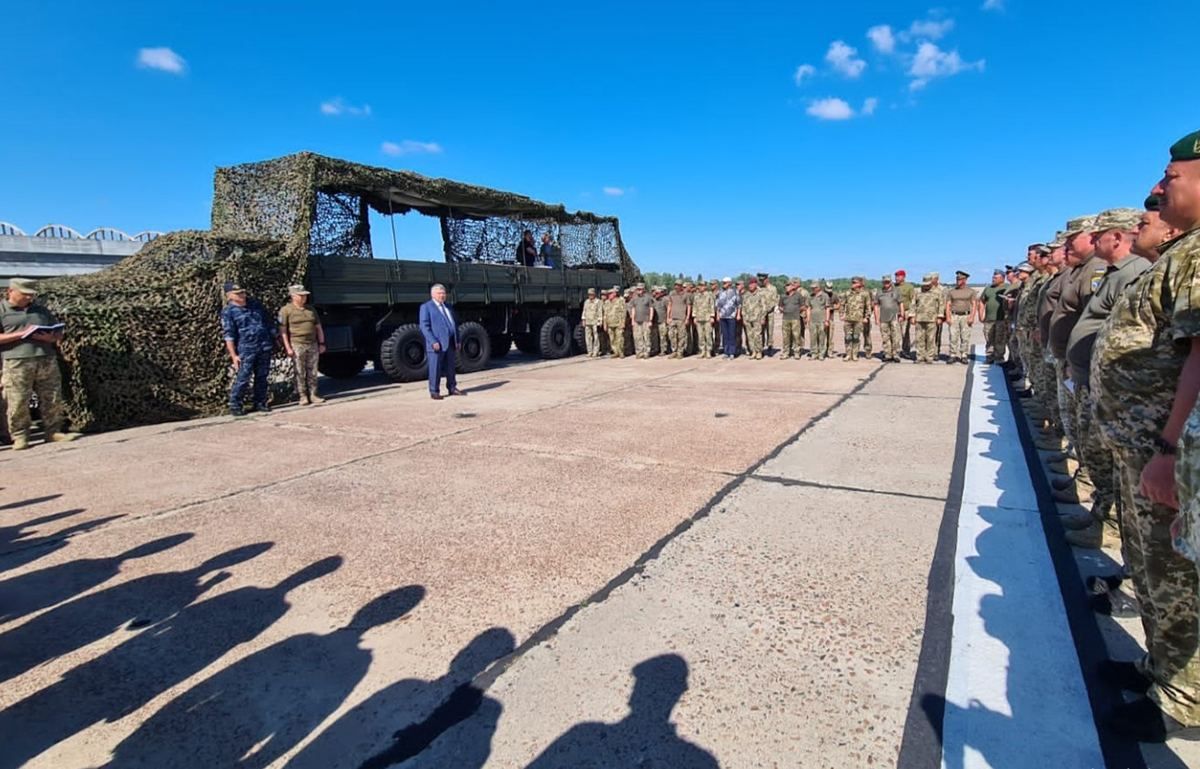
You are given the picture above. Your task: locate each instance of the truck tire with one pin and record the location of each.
(554, 338)
(579, 337)
(501, 344)
(341, 365)
(475, 348)
(403, 354)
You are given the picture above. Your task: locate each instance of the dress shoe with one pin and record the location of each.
(262, 408)
(457, 391)
(435, 396)
(1143, 721)
(1124, 675)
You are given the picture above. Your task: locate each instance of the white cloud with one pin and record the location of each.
(929, 29)
(869, 105)
(993, 5)
(830, 109)
(844, 59)
(410, 147)
(882, 38)
(163, 59)
(336, 106)
(803, 72)
(614, 192)
(932, 62)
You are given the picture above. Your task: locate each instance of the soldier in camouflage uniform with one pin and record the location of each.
(714, 288)
(991, 313)
(937, 288)
(888, 309)
(679, 309)
(927, 308)
(754, 316)
(641, 314)
(1136, 368)
(960, 316)
(593, 321)
(907, 292)
(770, 300)
(660, 332)
(704, 315)
(856, 307)
(818, 321)
(30, 364)
(615, 318)
(791, 310)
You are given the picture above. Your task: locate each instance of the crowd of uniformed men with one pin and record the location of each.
(727, 318)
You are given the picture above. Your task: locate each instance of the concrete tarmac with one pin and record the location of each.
(581, 563)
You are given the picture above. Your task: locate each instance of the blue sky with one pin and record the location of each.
(698, 123)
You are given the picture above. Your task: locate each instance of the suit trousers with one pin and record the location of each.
(441, 364)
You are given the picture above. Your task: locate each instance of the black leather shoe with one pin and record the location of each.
(1116, 604)
(1102, 583)
(262, 408)
(457, 391)
(435, 396)
(1124, 675)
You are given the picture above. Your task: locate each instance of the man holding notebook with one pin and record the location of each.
(29, 337)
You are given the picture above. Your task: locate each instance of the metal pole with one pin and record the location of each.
(392, 222)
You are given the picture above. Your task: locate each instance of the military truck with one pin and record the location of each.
(369, 305)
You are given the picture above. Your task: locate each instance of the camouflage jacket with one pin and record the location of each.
(928, 306)
(614, 312)
(1138, 354)
(1027, 309)
(593, 312)
(753, 307)
(857, 305)
(704, 306)
(770, 297)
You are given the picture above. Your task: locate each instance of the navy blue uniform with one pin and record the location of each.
(252, 331)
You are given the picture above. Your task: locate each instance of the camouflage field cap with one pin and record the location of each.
(1153, 203)
(927, 277)
(1074, 227)
(1117, 219)
(886, 279)
(1187, 148)
(935, 276)
(615, 290)
(27, 286)
(592, 291)
(297, 290)
(233, 288)
(679, 282)
(640, 286)
(1001, 272)
(1025, 267)
(687, 284)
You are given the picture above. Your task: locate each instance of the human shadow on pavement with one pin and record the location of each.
(1042, 725)
(260, 707)
(136, 603)
(122, 680)
(17, 549)
(406, 701)
(27, 503)
(35, 590)
(645, 737)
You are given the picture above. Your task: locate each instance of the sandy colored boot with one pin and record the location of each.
(61, 437)
(20, 442)
(316, 398)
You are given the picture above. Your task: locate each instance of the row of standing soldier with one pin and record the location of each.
(721, 318)
(1103, 339)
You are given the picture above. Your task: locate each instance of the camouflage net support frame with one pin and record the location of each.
(143, 342)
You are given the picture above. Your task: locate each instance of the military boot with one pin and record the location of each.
(20, 442)
(1064, 466)
(57, 437)
(315, 398)
(1072, 496)
(1087, 539)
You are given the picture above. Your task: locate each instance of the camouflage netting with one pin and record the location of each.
(143, 342)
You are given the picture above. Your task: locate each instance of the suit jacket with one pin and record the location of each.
(436, 329)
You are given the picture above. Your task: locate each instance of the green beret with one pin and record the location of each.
(1187, 148)
(1153, 203)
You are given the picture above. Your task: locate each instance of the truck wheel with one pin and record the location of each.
(554, 339)
(341, 365)
(403, 354)
(475, 348)
(501, 344)
(579, 336)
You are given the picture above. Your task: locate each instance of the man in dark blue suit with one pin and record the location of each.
(441, 342)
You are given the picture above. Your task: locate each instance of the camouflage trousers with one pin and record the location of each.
(1168, 590)
(1095, 456)
(664, 337)
(591, 338)
(926, 341)
(28, 376)
(306, 359)
(866, 337)
(641, 339)
(627, 343)
(908, 334)
(704, 339)
(768, 331)
(679, 338)
(937, 340)
(616, 340)
(889, 337)
(995, 339)
(960, 337)
(852, 331)
(818, 340)
(1066, 404)
(1045, 389)
(1014, 342)
(754, 339)
(793, 338)
(1187, 480)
